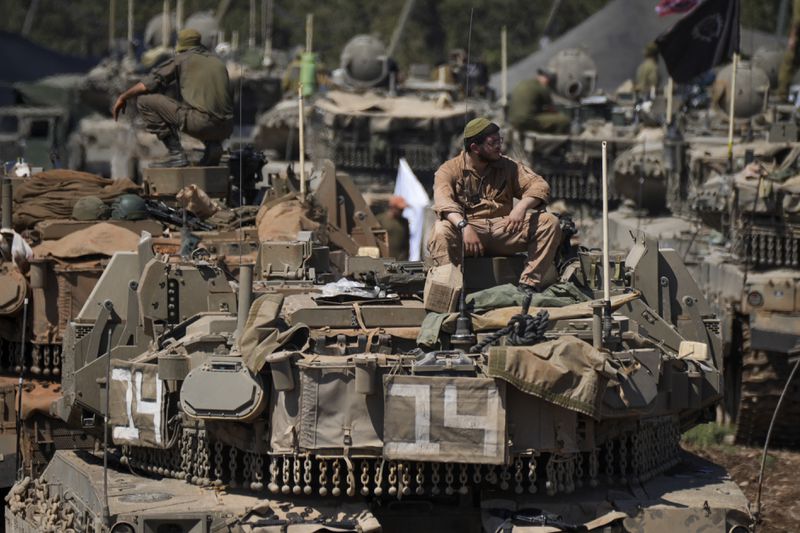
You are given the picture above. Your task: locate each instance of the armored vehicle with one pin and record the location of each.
(370, 121)
(736, 228)
(349, 406)
(572, 161)
(753, 278)
(641, 172)
(36, 133)
(69, 255)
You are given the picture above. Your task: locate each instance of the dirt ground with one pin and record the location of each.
(780, 494)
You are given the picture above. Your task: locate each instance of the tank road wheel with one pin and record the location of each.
(764, 375)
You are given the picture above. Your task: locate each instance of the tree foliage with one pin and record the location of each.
(80, 27)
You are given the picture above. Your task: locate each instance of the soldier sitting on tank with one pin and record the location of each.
(531, 107)
(205, 109)
(647, 79)
(473, 196)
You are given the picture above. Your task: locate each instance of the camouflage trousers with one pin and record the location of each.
(540, 236)
(162, 115)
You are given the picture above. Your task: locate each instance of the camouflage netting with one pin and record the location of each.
(53, 193)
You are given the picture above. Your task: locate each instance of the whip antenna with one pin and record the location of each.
(466, 68)
(463, 337)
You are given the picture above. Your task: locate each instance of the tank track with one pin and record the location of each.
(764, 375)
(646, 450)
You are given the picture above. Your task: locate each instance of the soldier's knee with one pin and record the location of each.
(444, 241)
(545, 222)
(145, 102)
(545, 227)
(444, 230)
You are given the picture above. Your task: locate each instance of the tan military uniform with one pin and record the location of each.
(205, 109)
(486, 201)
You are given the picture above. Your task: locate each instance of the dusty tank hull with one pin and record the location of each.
(367, 134)
(334, 408)
(64, 275)
(763, 339)
(573, 163)
(739, 237)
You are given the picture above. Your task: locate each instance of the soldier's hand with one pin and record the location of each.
(514, 222)
(472, 244)
(119, 106)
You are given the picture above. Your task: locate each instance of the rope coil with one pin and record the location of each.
(522, 330)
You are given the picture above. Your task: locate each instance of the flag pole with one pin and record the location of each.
(732, 104)
(301, 113)
(504, 66)
(670, 89)
(606, 317)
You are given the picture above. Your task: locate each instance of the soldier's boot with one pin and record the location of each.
(176, 157)
(211, 154)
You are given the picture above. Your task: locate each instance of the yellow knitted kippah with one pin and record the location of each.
(476, 126)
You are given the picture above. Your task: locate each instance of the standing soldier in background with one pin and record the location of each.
(647, 79)
(205, 106)
(396, 227)
(531, 107)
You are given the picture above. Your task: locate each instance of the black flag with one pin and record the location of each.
(701, 40)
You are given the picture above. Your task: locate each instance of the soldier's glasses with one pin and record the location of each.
(492, 142)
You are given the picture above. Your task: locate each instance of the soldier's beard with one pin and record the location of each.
(488, 156)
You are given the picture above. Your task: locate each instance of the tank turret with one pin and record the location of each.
(207, 24)
(154, 31)
(576, 73)
(752, 86)
(364, 62)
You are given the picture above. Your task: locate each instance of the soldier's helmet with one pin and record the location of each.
(90, 208)
(129, 207)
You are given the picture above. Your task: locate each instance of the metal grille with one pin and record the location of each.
(81, 331)
(771, 247)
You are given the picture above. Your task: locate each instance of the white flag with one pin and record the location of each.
(408, 186)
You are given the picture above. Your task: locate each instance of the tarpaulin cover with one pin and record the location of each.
(567, 372)
(261, 336)
(99, 239)
(499, 318)
(53, 193)
(282, 220)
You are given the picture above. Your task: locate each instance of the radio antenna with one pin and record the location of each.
(464, 337)
(466, 68)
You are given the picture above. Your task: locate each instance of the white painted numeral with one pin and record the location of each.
(143, 407)
(454, 420)
(422, 419)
